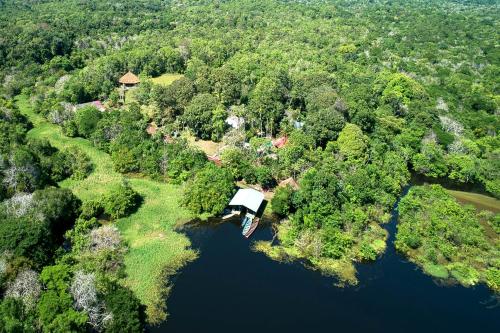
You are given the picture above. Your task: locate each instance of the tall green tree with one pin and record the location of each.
(209, 191)
(352, 143)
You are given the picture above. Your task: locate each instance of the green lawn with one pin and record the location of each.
(155, 249)
(166, 79)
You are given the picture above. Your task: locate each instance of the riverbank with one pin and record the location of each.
(155, 249)
(287, 297)
(480, 201)
(474, 194)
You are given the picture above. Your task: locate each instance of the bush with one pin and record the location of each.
(70, 129)
(444, 138)
(493, 278)
(182, 161)
(121, 202)
(236, 161)
(466, 275)
(451, 240)
(59, 208)
(79, 235)
(493, 186)
(437, 271)
(55, 308)
(335, 243)
(198, 115)
(264, 176)
(86, 120)
(367, 252)
(128, 313)
(80, 163)
(494, 222)
(56, 313)
(91, 208)
(124, 160)
(71, 162)
(281, 202)
(14, 317)
(24, 238)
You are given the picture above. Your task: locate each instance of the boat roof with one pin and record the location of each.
(249, 198)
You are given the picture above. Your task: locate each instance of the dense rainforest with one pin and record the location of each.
(360, 95)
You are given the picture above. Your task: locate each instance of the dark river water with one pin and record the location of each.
(229, 288)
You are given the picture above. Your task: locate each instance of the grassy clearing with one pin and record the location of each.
(155, 249)
(480, 201)
(209, 147)
(102, 178)
(166, 79)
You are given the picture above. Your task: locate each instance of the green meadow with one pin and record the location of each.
(166, 79)
(156, 250)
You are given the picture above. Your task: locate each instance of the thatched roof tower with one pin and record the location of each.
(129, 79)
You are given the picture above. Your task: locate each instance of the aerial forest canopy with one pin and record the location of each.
(342, 100)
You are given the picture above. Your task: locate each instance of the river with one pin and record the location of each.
(229, 288)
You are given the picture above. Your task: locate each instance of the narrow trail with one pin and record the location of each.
(155, 248)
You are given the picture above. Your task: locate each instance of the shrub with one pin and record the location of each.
(264, 176)
(24, 238)
(444, 138)
(37, 235)
(14, 317)
(127, 311)
(86, 120)
(121, 202)
(494, 222)
(71, 162)
(493, 278)
(70, 129)
(335, 243)
(125, 160)
(80, 163)
(25, 287)
(466, 275)
(79, 235)
(92, 208)
(367, 252)
(281, 202)
(452, 241)
(437, 271)
(57, 315)
(236, 161)
(180, 161)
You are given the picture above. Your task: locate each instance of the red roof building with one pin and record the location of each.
(151, 129)
(280, 142)
(215, 159)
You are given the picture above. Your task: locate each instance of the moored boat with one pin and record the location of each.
(252, 228)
